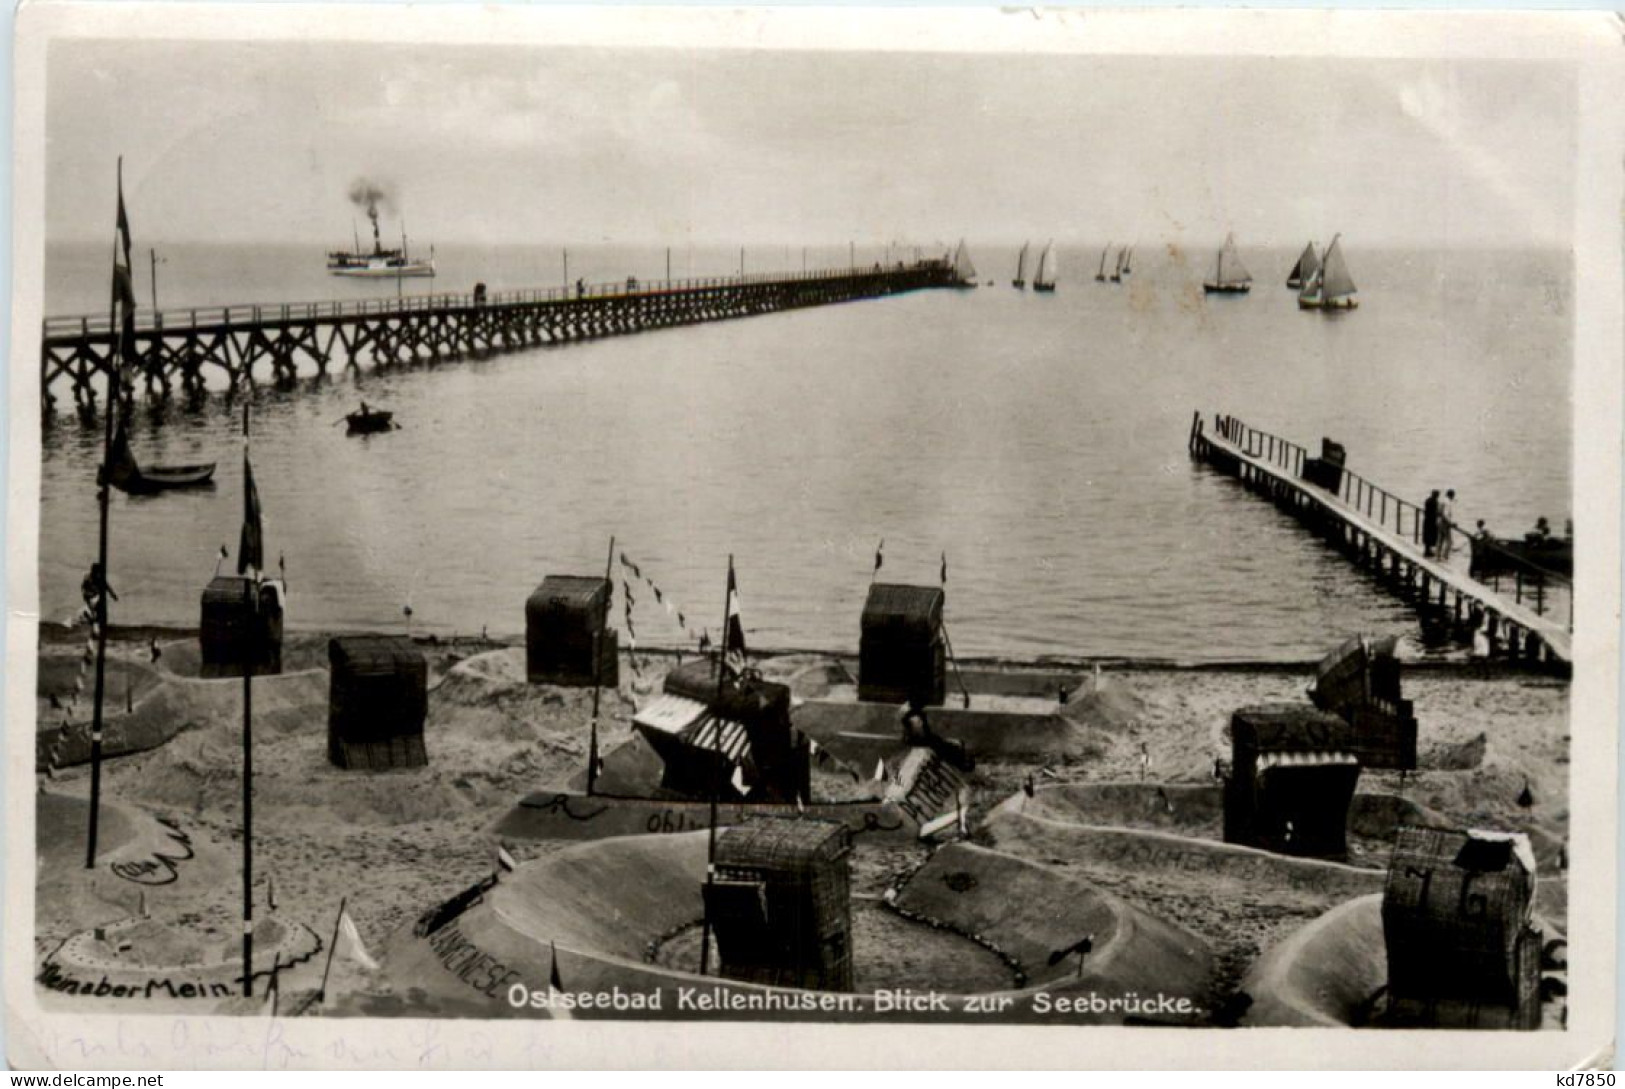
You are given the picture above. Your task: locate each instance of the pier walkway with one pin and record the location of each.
(239, 343)
(1383, 533)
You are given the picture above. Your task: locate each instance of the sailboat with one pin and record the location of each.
(1117, 272)
(964, 268)
(1128, 261)
(1231, 276)
(1100, 276)
(1021, 268)
(1044, 278)
(127, 475)
(1331, 287)
(1308, 264)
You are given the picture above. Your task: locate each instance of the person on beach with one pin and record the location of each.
(91, 587)
(1447, 523)
(1430, 523)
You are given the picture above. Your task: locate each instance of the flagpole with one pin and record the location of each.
(104, 482)
(248, 750)
(321, 992)
(716, 771)
(598, 668)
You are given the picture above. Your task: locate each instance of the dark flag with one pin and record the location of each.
(879, 557)
(945, 568)
(251, 546)
(733, 639)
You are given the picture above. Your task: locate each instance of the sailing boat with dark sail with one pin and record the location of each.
(1331, 287)
(1021, 268)
(1044, 278)
(127, 475)
(1308, 264)
(1128, 261)
(1117, 272)
(1100, 276)
(1231, 276)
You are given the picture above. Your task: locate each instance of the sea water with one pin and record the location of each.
(1036, 441)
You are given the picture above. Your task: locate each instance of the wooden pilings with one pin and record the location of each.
(246, 344)
(1381, 534)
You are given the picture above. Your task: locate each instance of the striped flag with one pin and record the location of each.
(123, 281)
(733, 640)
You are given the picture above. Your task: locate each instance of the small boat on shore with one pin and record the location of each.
(1231, 276)
(1308, 264)
(127, 475)
(1330, 287)
(1044, 278)
(369, 421)
(1021, 268)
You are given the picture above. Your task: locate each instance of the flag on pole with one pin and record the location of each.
(505, 860)
(350, 937)
(555, 985)
(123, 283)
(879, 554)
(945, 568)
(734, 638)
(251, 545)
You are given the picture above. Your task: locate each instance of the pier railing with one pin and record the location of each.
(1387, 509)
(147, 320)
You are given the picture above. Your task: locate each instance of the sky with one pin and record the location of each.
(263, 141)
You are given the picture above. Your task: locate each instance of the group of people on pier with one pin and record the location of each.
(1439, 523)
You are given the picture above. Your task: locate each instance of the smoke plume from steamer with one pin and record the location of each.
(369, 195)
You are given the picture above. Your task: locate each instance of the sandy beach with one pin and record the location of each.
(396, 844)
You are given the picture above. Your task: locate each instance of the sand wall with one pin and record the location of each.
(598, 907)
(1227, 867)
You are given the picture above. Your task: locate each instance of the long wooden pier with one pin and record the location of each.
(274, 340)
(1382, 533)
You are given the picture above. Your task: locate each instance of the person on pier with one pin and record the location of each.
(1430, 523)
(1447, 523)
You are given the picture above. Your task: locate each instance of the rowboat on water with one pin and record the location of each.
(1531, 556)
(369, 421)
(1021, 268)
